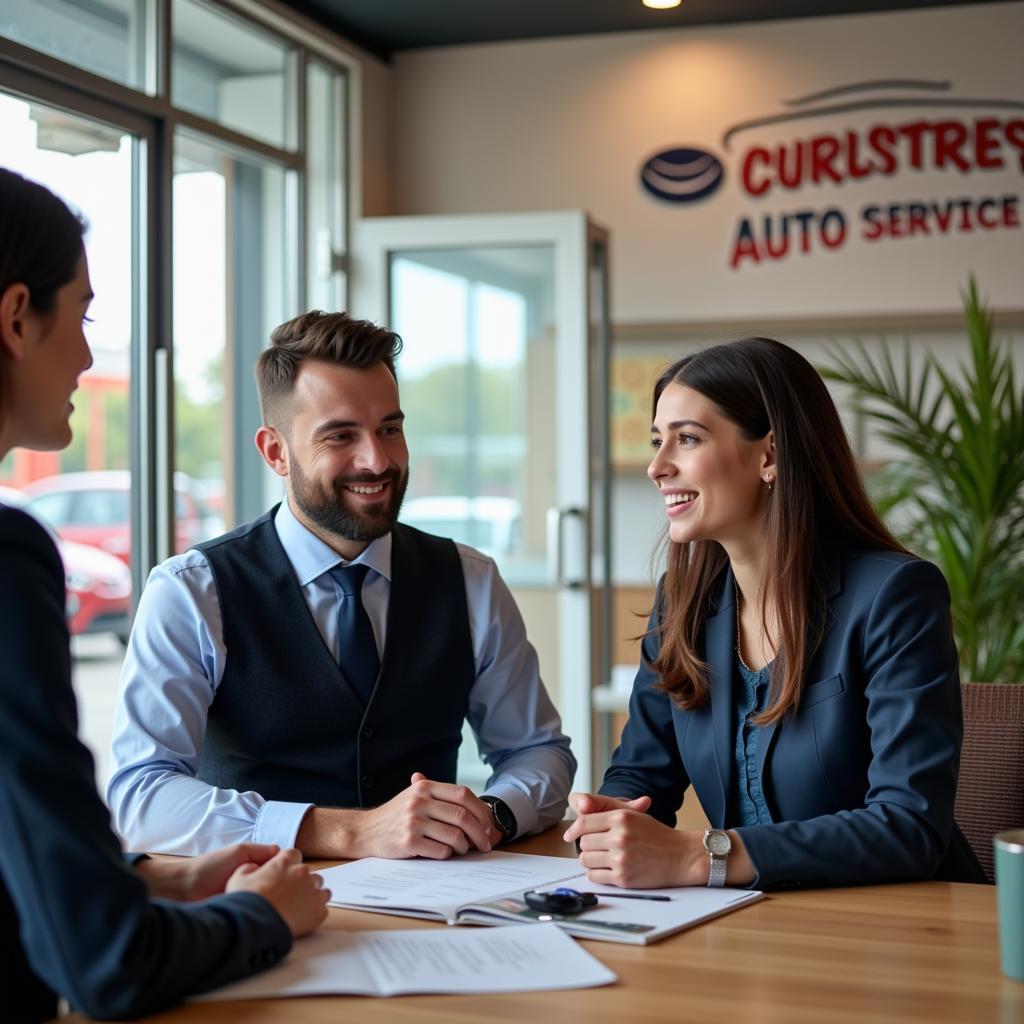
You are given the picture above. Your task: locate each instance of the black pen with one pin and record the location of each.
(628, 896)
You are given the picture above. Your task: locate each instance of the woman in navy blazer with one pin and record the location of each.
(76, 919)
(798, 669)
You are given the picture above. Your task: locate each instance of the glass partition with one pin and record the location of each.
(325, 145)
(105, 37)
(231, 258)
(479, 355)
(229, 72)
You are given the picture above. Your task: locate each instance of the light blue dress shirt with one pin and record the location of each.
(175, 662)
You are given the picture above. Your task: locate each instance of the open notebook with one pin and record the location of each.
(487, 888)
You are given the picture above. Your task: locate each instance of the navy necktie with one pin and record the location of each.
(357, 648)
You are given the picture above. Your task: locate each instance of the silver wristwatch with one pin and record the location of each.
(718, 844)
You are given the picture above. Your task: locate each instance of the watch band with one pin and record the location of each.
(719, 867)
(718, 846)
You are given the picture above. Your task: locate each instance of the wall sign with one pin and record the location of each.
(793, 170)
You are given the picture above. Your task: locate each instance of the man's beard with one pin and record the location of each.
(331, 509)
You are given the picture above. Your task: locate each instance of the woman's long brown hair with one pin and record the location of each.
(818, 501)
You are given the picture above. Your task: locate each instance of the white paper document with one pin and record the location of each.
(440, 888)
(487, 888)
(389, 963)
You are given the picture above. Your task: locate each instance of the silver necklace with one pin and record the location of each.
(739, 640)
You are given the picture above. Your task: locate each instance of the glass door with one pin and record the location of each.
(504, 385)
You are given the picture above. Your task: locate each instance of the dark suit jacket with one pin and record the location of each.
(860, 782)
(74, 919)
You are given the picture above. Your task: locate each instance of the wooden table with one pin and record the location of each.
(925, 952)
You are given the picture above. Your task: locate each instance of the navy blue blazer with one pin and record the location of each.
(860, 781)
(74, 918)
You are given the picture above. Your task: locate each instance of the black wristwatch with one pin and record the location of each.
(503, 818)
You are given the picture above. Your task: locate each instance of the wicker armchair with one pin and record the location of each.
(990, 793)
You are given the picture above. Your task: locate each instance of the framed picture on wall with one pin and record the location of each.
(632, 379)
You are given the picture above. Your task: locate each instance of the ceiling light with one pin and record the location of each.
(662, 5)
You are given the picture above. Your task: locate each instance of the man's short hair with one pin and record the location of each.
(328, 337)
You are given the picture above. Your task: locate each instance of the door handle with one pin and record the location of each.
(573, 520)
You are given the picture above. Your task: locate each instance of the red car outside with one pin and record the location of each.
(94, 508)
(99, 586)
(99, 591)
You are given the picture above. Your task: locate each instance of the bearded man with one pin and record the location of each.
(304, 679)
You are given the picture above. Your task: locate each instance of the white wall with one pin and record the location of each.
(376, 160)
(569, 122)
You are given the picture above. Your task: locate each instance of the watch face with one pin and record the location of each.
(503, 816)
(717, 843)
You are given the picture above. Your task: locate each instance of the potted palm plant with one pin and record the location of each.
(955, 495)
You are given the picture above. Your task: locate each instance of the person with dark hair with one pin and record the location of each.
(76, 917)
(798, 669)
(305, 679)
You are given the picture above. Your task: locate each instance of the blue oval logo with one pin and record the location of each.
(682, 175)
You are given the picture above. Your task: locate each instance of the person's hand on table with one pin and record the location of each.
(427, 819)
(620, 845)
(623, 846)
(294, 891)
(197, 878)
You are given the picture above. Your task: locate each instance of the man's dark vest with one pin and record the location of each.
(285, 721)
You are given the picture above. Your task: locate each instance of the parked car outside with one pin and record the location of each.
(99, 586)
(99, 591)
(93, 508)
